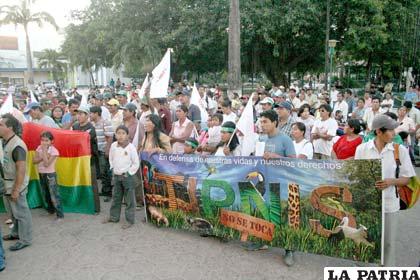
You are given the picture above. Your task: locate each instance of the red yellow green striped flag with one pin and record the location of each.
(72, 167)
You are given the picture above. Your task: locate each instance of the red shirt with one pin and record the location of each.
(344, 148)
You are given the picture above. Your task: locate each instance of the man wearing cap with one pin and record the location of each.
(130, 120)
(286, 120)
(267, 104)
(35, 111)
(382, 148)
(122, 98)
(116, 113)
(83, 124)
(104, 135)
(194, 113)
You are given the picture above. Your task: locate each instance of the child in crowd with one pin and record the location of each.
(124, 163)
(46, 157)
(214, 135)
(190, 146)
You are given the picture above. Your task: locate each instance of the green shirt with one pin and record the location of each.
(397, 139)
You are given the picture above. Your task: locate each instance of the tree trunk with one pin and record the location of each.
(368, 67)
(92, 78)
(327, 38)
(29, 60)
(234, 74)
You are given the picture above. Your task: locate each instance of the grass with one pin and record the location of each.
(302, 239)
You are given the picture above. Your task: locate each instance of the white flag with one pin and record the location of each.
(136, 137)
(33, 98)
(7, 106)
(246, 126)
(161, 75)
(196, 100)
(144, 86)
(84, 101)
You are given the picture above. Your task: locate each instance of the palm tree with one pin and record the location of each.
(53, 60)
(21, 15)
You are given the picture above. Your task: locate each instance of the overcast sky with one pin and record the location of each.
(46, 37)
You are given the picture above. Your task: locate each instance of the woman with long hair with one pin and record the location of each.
(155, 141)
(345, 147)
(225, 148)
(57, 115)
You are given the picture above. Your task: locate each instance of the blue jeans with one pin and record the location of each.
(2, 263)
(50, 193)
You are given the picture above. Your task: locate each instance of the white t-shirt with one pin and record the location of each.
(370, 115)
(328, 126)
(343, 107)
(229, 118)
(304, 147)
(214, 135)
(368, 151)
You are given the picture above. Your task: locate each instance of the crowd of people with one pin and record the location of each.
(296, 123)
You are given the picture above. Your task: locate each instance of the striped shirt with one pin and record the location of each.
(103, 129)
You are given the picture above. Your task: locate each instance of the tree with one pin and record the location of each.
(53, 60)
(21, 15)
(234, 73)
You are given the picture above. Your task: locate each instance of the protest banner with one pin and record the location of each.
(324, 207)
(72, 167)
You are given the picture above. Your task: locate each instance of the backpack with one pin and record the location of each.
(410, 193)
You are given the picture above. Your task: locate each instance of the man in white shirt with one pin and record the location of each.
(333, 96)
(323, 132)
(382, 148)
(372, 112)
(341, 105)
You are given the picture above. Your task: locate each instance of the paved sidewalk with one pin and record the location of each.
(81, 247)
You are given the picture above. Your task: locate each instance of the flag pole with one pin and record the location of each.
(230, 140)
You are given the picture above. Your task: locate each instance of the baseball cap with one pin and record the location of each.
(83, 109)
(384, 121)
(285, 105)
(184, 92)
(31, 106)
(267, 100)
(107, 95)
(114, 102)
(130, 107)
(277, 93)
(122, 93)
(99, 96)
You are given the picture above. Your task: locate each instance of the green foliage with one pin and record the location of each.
(54, 61)
(277, 37)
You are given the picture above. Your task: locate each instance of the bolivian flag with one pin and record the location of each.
(72, 167)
